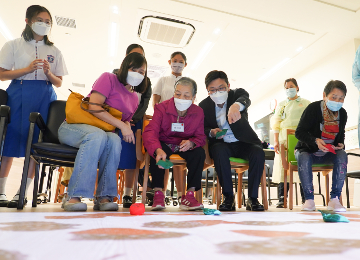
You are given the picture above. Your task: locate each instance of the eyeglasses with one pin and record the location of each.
(220, 90)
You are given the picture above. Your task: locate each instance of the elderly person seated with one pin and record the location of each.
(99, 149)
(177, 127)
(321, 134)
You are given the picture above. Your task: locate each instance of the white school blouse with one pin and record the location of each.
(18, 54)
(165, 87)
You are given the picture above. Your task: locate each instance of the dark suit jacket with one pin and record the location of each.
(241, 129)
(308, 128)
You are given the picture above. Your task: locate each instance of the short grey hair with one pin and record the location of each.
(185, 81)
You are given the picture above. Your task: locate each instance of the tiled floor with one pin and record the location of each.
(47, 232)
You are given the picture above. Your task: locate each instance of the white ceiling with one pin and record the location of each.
(254, 36)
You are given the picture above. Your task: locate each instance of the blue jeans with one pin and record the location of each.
(306, 160)
(97, 149)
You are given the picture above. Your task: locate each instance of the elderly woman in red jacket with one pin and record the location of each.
(177, 127)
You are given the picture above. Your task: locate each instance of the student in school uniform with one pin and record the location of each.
(33, 65)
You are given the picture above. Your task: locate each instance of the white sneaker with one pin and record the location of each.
(3, 197)
(335, 205)
(309, 205)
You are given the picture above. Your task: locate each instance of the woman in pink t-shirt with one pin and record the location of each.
(99, 149)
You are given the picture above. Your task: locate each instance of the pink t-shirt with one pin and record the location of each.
(117, 96)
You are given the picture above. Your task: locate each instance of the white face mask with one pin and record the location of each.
(134, 78)
(41, 28)
(219, 98)
(177, 67)
(291, 92)
(182, 104)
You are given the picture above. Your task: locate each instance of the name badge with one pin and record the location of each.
(283, 115)
(177, 127)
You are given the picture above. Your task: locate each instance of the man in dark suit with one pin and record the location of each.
(227, 109)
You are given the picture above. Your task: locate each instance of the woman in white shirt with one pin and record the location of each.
(33, 64)
(164, 88)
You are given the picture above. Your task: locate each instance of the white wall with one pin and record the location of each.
(335, 66)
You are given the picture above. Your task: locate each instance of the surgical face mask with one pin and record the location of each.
(333, 105)
(182, 104)
(177, 67)
(291, 92)
(219, 97)
(41, 28)
(134, 78)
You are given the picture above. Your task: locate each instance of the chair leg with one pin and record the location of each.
(214, 190)
(327, 189)
(347, 192)
(43, 174)
(136, 181)
(268, 183)
(61, 172)
(146, 176)
(296, 194)
(218, 194)
(199, 195)
(36, 185)
(166, 180)
(239, 189)
(285, 187)
(291, 192)
(341, 200)
(263, 190)
(184, 186)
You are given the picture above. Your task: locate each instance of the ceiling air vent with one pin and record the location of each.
(79, 85)
(66, 22)
(156, 71)
(165, 31)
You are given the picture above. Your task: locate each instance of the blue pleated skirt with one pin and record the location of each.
(24, 97)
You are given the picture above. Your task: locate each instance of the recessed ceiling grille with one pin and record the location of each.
(66, 22)
(165, 33)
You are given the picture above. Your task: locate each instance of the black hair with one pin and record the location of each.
(291, 80)
(176, 53)
(335, 84)
(31, 13)
(134, 46)
(133, 60)
(185, 81)
(215, 74)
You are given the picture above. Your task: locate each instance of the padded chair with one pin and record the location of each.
(48, 149)
(290, 164)
(352, 174)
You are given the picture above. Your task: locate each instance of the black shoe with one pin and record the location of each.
(280, 204)
(228, 204)
(127, 201)
(4, 202)
(15, 201)
(150, 197)
(254, 205)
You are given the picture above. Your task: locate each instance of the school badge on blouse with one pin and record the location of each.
(50, 58)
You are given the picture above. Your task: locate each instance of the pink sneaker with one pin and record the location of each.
(159, 201)
(188, 202)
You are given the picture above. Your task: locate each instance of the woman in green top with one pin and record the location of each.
(287, 116)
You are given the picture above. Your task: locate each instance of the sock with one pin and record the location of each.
(179, 194)
(28, 182)
(127, 191)
(192, 189)
(2, 185)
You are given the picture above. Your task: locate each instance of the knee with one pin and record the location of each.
(114, 142)
(98, 137)
(341, 157)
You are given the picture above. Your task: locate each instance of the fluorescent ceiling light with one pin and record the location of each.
(299, 49)
(5, 31)
(112, 39)
(217, 31)
(202, 54)
(115, 9)
(274, 69)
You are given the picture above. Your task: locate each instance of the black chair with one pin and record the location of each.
(48, 149)
(352, 174)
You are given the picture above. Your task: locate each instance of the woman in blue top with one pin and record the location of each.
(34, 65)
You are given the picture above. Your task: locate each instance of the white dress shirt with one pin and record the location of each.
(18, 54)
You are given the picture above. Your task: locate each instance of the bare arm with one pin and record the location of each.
(156, 99)
(55, 80)
(14, 74)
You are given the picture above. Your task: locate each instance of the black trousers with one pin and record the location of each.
(194, 162)
(221, 152)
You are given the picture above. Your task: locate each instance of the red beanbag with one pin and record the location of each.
(330, 148)
(137, 209)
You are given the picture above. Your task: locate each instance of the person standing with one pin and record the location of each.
(34, 65)
(356, 81)
(287, 116)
